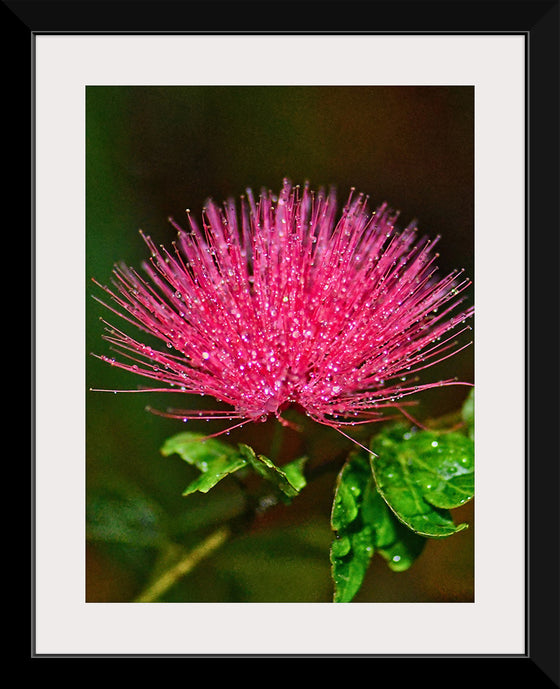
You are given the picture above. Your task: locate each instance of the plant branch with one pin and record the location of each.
(208, 546)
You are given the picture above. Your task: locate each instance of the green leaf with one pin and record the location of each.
(467, 414)
(364, 523)
(120, 513)
(353, 548)
(289, 480)
(294, 473)
(396, 543)
(423, 474)
(349, 569)
(214, 459)
(196, 448)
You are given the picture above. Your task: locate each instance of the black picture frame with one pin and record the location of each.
(539, 23)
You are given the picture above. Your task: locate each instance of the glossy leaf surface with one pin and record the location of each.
(422, 475)
(353, 547)
(394, 541)
(214, 459)
(289, 480)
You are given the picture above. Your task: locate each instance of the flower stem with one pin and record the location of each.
(210, 544)
(276, 442)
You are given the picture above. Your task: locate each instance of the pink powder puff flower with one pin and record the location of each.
(285, 305)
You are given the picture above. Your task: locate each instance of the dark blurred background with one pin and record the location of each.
(152, 152)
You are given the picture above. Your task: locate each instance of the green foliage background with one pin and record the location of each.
(151, 153)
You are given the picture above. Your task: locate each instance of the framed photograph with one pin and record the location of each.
(247, 218)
